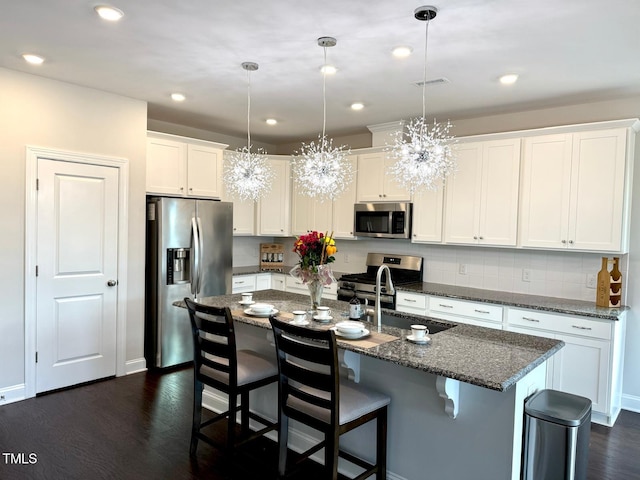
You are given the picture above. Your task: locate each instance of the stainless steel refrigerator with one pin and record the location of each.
(189, 254)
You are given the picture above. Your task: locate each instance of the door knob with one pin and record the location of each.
(112, 283)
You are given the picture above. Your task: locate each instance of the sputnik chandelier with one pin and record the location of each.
(321, 170)
(423, 152)
(248, 175)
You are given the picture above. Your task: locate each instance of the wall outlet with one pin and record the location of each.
(462, 269)
(591, 280)
(526, 275)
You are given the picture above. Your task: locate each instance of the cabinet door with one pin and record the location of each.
(597, 190)
(370, 177)
(538, 333)
(499, 193)
(277, 281)
(546, 181)
(462, 207)
(204, 171)
(343, 206)
(428, 208)
(243, 283)
(301, 212)
(166, 167)
(274, 208)
(582, 368)
(244, 217)
(392, 190)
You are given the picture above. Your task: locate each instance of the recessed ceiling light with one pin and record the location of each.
(328, 69)
(271, 121)
(32, 59)
(402, 51)
(357, 106)
(509, 79)
(178, 97)
(109, 13)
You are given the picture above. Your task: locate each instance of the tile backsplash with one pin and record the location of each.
(535, 272)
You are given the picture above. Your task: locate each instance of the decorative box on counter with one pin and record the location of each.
(609, 292)
(271, 257)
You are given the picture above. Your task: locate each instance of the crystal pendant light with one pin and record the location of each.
(423, 152)
(247, 174)
(321, 170)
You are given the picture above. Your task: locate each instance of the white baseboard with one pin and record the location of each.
(631, 403)
(298, 441)
(15, 393)
(135, 366)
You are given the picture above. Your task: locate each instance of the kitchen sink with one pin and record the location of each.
(405, 323)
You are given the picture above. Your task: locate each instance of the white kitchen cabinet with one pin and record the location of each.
(263, 281)
(182, 166)
(428, 206)
(244, 212)
(295, 285)
(410, 302)
(573, 191)
(277, 281)
(243, 283)
(482, 195)
(375, 184)
(274, 209)
(308, 214)
(343, 205)
(461, 311)
(590, 363)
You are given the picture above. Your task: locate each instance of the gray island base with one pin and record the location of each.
(457, 404)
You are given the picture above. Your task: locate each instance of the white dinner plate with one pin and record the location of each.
(322, 319)
(419, 341)
(351, 336)
(248, 311)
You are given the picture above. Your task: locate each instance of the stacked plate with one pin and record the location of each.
(350, 330)
(261, 310)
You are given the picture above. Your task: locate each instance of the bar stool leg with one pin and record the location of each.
(381, 444)
(197, 416)
(283, 439)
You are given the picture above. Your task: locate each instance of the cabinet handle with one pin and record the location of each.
(475, 237)
(181, 189)
(564, 241)
(570, 242)
(481, 238)
(579, 327)
(481, 311)
(239, 282)
(445, 306)
(529, 319)
(409, 300)
(191, 189)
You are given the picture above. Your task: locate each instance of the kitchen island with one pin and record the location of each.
(457, 403)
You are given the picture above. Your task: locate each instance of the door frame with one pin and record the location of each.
(33, 153)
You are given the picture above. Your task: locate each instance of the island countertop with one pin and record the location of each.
(489, 358)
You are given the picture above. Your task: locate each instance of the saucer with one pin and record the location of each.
(248, 311)
(419, 341)
(322, 319)
(248, 302)
(299, 323)
(351, 336)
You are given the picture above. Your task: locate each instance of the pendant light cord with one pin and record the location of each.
(248, 111)
(324, 96)
(424, 75)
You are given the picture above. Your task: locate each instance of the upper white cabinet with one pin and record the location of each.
(343, 205)
(274, 214)
(482, 195)
(573, 191)
(244, 212)
(183, 166)
(427, 215)
(375, 184)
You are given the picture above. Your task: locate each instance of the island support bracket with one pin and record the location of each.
(350, 361)
(449, 390)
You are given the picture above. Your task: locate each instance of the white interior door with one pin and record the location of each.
(77, 258)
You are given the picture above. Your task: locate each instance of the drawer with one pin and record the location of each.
(481, 311)
(295, 285)
(572, 325)
(411, 300)
(243, 283)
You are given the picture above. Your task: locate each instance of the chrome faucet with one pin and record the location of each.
(376, 312)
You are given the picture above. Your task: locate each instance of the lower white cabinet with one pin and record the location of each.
(295, 285)
(590, 363)
(263, 281)
(243, 283)
(277, 281)
(472, 313)
(409, 302)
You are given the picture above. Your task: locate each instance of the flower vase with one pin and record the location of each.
(315, 292)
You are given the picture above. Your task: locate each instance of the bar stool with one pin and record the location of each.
(310, 391)
(219, 365)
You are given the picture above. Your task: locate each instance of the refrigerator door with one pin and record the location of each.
(215, 221)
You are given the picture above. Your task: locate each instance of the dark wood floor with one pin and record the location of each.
(137, 427)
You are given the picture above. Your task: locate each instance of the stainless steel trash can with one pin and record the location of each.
(556, 436)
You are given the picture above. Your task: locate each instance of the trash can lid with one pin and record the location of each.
(558, 407)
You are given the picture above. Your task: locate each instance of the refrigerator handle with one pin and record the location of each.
(195, 257)
(200, 255)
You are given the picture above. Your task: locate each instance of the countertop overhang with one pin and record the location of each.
(489, 358)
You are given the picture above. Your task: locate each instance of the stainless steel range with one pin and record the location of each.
(405, 269)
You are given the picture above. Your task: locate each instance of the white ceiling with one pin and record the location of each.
(565, 51)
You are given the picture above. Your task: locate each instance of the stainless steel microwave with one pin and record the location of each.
(382, 220)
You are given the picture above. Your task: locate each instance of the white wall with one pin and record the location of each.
(46, 113)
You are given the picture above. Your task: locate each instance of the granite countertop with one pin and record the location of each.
(489, 358)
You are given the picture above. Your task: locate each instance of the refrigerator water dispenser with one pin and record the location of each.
(178, 266)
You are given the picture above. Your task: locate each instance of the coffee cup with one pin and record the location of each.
(299, 316)
(323, 312)
(247, 297)
(419, 331)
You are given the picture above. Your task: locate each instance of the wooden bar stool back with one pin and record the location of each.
(218, 364)
(310, 391)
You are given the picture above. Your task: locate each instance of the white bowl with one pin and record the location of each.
(349, 327)
(261, 307)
